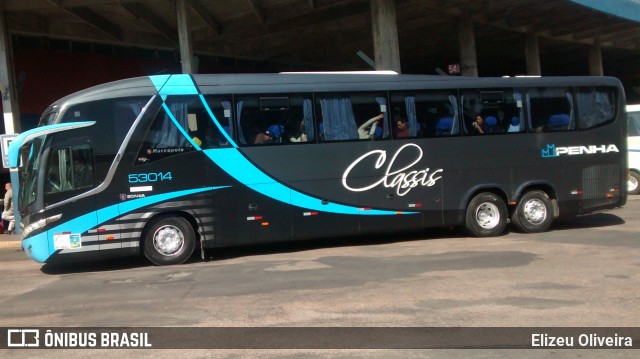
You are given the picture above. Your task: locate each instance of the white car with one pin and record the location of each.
(633, 116)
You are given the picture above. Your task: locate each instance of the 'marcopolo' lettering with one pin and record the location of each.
(399, 178)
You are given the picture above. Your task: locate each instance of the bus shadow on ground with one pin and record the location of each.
(96, 265)
(588, 221)
(217, 254)
(329, 242)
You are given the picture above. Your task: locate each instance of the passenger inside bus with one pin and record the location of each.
(301, 135)
(367, 130)
(402, 128)
(82, 172)
(263, 138)
(480, 126)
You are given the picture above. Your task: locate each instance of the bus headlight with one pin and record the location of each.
(39, 224)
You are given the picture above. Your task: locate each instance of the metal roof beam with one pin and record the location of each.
(257, 9)
(142, 12)
(204, 14)
(94, 19)
(21, 5)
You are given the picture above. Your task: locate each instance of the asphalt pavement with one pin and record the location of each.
(9, 240)
(582, 273)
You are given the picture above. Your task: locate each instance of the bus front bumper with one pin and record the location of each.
(37, 247)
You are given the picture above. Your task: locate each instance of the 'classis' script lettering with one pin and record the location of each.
(403, 179)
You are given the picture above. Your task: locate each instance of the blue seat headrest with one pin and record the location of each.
(491, 121)
(558, 120)
(275, 130)
(515, 121)
(444, 123)
(378, 133)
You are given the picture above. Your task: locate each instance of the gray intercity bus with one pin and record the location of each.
(160, 165)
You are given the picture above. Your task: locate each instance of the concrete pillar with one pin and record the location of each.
(385, 35)
(595, 60)
(184, 37)
(532, 55)
(467, 45)
(10, 109)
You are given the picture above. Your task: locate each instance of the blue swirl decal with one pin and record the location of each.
(233, 162)
(40, 247)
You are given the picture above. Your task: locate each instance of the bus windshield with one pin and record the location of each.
(29, 171)
(47, 119)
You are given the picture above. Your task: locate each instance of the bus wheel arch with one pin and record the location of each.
(535, 210)
(169, 238)
(486, 213)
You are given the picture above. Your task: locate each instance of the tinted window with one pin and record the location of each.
(274, 119)
(492, 111)
(352, 116)
(431, 114)
(113, 117)
(551, 109)
(596, 106)
(183, 124)
(69, 169)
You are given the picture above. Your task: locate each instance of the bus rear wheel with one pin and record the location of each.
(534, 213)
(169, 240)
(486, 215)
(633, 187)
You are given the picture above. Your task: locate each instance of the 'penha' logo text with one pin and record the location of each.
(553, 151)
(403, 179)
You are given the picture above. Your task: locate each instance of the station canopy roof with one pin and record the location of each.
(327, 34)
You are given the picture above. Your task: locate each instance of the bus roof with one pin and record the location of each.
(323, 81)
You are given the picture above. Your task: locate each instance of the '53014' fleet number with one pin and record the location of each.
(149, 177)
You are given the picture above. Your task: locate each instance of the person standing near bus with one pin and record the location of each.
(7, 213)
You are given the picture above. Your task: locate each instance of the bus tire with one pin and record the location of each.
(633, 183)
(169, 240)
(486, 215)
(534, 213)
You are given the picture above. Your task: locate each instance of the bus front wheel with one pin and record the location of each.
(534, 213)
(486, 215)
(169, 240)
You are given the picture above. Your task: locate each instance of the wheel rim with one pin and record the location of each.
(632, 184)
(487, 215)
(535, 211)
(168, 240)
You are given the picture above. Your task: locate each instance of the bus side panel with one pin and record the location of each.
(313, 223)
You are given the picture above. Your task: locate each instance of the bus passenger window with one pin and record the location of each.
(215, 122)
(353, 116)
(492, 111)
(596, 106)
(551, 109)
(425, 114)
(274, 119)
(69, 169)
(200, 120)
